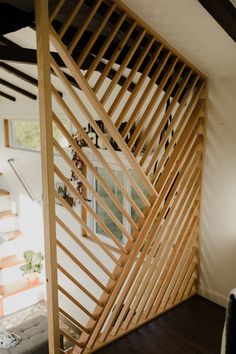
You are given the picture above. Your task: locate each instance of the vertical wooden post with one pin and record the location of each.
(6, 132)
(84, 211)
(45, 106)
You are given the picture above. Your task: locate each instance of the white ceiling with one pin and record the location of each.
(189, 28)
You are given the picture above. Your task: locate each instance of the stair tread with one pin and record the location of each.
(13, 235)
(3, 192)
(6, 214)
(10, 261)
(17, 287)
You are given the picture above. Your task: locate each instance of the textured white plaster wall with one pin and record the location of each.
(218, 212)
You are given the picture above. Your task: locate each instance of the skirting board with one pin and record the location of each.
(212, 296)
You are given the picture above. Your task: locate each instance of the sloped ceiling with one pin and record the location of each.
(188, 27)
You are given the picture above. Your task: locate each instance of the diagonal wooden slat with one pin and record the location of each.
(130, 77)
(82, 246)
(160, 108)
(152, 82)
(138, 87)
(122, 67)
(152, 122)
(141, 276)
(93, 39)
(168, 131)
(115, 55)
(109, 125)
(105, 46)
(161, 244)
(66, 24)
(97, 153)
(80, 220)
(105, 140)
(81, 30)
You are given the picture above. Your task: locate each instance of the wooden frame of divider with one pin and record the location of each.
(156, 267)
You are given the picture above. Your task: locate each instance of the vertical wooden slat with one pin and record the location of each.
(45, 107)
(6, 132)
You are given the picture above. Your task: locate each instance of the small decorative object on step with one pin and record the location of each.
(8, 340)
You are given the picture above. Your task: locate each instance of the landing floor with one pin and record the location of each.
(194, 327)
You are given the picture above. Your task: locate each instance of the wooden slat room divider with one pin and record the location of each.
(140, 182)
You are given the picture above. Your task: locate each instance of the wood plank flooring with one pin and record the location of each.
(194, 327)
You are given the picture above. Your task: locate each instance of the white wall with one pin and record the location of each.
(218, 213)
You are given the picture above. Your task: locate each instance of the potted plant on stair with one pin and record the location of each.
(33, 265)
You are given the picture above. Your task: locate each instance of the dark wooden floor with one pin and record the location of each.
(194, 327)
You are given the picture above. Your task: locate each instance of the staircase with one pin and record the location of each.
(16, 292)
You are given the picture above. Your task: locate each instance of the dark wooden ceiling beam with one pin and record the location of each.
(9, 97)
(20, 74)
(8, 42)
(18, 89)
(29, 56)
(24, 55)
(224, 13)
(31, 80)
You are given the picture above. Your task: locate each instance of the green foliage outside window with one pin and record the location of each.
(25, 134)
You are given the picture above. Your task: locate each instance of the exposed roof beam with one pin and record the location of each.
(31, 80)
(13, 18)
(29, 56)
(9, 97)
(18, 89)
(19, 73)
(224, 13)
(7, 42)
(24, 55)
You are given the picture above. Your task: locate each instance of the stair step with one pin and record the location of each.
(8, 221)
(14, 235)
(18, 287)
(10, 261)
(3, 192)
(6, 214)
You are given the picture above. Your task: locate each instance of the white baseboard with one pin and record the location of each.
(212, 296)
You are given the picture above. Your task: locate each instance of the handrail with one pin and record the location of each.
(22, 182)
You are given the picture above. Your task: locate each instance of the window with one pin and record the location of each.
(99, 210)
(25, 134)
